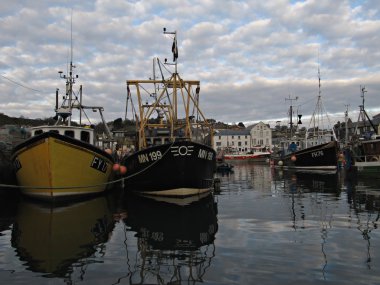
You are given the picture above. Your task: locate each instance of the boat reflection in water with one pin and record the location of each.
(50, 239)
(309, 181)
(363, 200)
(175, 242)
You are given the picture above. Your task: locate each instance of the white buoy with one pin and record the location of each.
(280, 163)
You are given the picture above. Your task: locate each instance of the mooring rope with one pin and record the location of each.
(94, 185)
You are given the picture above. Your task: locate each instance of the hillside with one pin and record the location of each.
(6, 120)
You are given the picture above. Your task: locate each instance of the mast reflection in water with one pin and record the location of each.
(175, 242)
(267, 227)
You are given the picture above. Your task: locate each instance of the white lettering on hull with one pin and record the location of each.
(317, 154)
(148, 157)
(204, 154)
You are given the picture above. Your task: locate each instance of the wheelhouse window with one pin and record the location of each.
(54, 131)
(69, 133)
(38, 132)
(85, 136)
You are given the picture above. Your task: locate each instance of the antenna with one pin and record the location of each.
(71, 35)
(174, 48)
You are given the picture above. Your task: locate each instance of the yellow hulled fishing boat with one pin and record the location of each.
(63, 159)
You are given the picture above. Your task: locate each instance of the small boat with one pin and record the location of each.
(318, 151)
(255, 154)
(63, 160)
(224, 167)
(174, 154)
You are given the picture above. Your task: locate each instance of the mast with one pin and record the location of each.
(174, 100)
(363, 114)
(66, 111)
(291, 114)
(346, 127)
(317, 121)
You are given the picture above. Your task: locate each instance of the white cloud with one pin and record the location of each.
(248, 55)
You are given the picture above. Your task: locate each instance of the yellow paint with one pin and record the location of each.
(54, 164)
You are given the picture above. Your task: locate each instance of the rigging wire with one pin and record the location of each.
(20, 84)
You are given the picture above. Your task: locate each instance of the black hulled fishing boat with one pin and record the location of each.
(173, 147)
(317, 151)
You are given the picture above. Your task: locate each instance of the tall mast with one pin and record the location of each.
(291, 113)
(66, 111)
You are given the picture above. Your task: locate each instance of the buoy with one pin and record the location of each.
(123, 169)
(280, 163)
(293, 158)
(116, 167)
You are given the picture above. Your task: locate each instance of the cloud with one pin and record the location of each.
(248, 55)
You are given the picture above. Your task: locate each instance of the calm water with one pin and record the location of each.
(264, 227)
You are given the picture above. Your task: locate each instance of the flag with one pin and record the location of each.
(175, 49)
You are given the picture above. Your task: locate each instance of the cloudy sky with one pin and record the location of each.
(249, 55)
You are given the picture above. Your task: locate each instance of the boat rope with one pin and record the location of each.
(94, 185)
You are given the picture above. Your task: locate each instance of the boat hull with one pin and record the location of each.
(367, 160)
(250, 157)
(50, 166)
(320, 157)
(182, 168)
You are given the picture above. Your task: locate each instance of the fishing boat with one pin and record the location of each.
(63, 160)
(173, 148)
(364, 151)
(317, 151)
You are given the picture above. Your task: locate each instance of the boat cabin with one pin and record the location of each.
(85, 134)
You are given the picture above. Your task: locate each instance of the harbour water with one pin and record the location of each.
(263, 226)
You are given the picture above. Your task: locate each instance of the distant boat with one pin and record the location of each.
(173, 154)
(224, 167)
(255, 154)
(62, 160)
(365, 149)
(318, 150)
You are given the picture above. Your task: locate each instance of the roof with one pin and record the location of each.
(225, 132)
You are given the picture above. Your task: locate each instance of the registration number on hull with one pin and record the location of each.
(317, 154)
(99, 164)
(151, 156)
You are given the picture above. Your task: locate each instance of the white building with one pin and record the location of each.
(238, 140)
(243, 140)
(261, 135)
